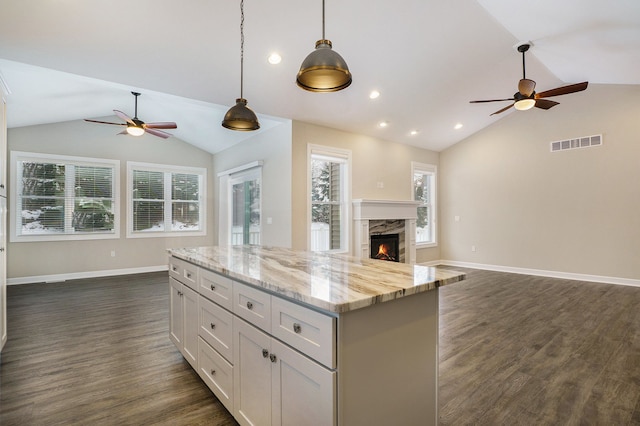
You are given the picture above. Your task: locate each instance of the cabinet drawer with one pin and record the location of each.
(215, 327)
(252, 305)
(215, 287)
(216, 372)
(184, 272)
(312, 333)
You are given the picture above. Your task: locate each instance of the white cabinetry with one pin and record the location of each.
(183, 323)
(261, 380)
(276, 385)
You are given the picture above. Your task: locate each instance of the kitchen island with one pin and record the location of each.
(292, 337)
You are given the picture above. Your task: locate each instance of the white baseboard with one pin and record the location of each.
(539, 272)
(79, 275)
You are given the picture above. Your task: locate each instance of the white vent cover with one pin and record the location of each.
(581, 142)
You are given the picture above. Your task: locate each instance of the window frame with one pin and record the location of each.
(168, 171)
(225, 216)
(344, 157)
(67, 160)
(432, 206)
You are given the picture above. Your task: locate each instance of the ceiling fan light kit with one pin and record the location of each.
(240, 117)
(137, 127)
(324, 70)
(526, 97)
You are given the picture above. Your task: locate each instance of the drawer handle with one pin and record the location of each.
(188, 275)
(249, 305)
(265, 353)
(174, 268)
(213, 287)
(213, 372)
(297, 328)
(273, 358)
(213, 326)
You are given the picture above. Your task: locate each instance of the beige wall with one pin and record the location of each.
(78, 138)
(522, 206)
(374, 160)
(273, 147)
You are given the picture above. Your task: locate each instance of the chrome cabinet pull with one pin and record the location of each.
(273, 358)
(265, 353)
(249, 305)
(213, 326)
(297, 328)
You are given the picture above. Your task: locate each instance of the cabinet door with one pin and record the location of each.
(176, 333)
(251, 374)
(303, 392)
(191, 325)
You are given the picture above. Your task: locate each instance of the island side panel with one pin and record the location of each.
(388, 363)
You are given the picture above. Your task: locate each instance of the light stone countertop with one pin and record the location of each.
(330, 282)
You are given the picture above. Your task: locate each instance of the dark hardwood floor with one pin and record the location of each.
(514, 350)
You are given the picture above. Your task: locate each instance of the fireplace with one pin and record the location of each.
(385, 247)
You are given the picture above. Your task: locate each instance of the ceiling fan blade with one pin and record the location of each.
(545, 103)
(502, 110)
(158, 133)
(124, 116)
(564, 90)
(104, 122)
(161, 125)
(491, 100)
(526, 87)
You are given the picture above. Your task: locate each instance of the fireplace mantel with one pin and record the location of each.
(365, 211)
(384, 209)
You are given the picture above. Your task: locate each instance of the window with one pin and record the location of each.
(165, 200)
(424, 191)
(329, 198)
(240, 211)
(244, 192)
(60, 197)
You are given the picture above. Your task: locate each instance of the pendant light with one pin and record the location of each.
(323, 70)
(240, 116)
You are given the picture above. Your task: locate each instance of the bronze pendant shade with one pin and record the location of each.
(323, 70)
(240, 117)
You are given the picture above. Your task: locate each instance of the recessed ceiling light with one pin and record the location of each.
(458, 126)
(413, 132)
(383, 124)
(374, 94)
(274, 58)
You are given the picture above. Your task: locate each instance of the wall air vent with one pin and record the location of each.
(582, 142)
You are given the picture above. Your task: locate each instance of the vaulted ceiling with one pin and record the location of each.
(72, 59)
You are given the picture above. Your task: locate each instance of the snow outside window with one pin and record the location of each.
(165, 200)
(329, 199)
(424, 191)
(61, 197)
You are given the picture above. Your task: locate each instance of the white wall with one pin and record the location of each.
(273, 147)
(374, 160)
(522, 206)
(54, 259)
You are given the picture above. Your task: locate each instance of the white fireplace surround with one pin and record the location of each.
(365, 211)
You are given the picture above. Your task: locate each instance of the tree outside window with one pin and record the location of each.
(60, 197)
(424, 177)
(329, 199)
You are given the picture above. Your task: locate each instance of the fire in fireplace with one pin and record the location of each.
(385, 247)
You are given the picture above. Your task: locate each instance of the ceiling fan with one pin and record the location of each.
(137, 127)
(526, 97)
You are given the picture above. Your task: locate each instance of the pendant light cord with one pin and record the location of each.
(524, 73)
(323, 19)
(241, 46)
